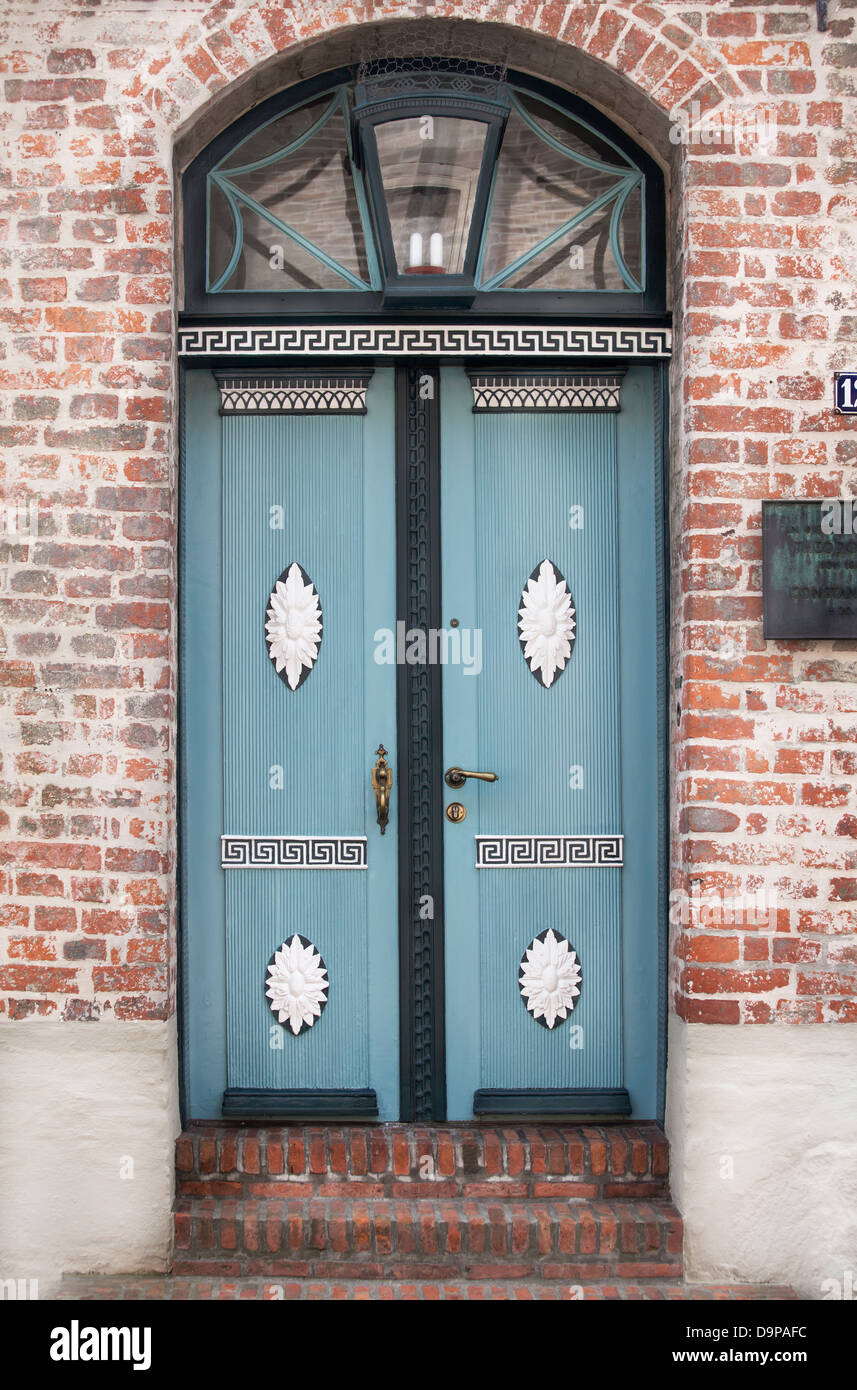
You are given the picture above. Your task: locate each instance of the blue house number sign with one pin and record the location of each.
(845, 393)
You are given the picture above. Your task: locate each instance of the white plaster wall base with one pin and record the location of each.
(781, 1104)
(88, 1120)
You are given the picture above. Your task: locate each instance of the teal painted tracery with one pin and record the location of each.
(225, 178)
(300, 204)
(624, 177)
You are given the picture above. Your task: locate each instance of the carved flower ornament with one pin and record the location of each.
(546, 624)
(293, 627)
(297, 984)
(549, 978)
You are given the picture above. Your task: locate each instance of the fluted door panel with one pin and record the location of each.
(301, 500)
(531, 508)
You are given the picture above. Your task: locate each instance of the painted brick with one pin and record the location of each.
(87, 423)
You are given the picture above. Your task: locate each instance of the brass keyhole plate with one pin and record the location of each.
(455, 812)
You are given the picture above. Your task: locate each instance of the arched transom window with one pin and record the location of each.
(435, 182)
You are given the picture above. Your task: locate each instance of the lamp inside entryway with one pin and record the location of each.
(428, 143)
(430, 169)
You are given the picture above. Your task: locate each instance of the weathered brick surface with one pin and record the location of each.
(438, 1161)
(393, 1202)
(186, 1288)
(355, 1237)
(763, 736)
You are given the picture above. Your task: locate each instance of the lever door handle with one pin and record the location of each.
(382, 784)
(457, 776)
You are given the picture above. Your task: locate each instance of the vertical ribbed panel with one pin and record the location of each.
(420, 749)
(530, 469)
(312, 467)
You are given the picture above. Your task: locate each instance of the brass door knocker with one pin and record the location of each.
(382, 784)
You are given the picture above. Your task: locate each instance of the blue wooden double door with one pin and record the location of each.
(422, 742)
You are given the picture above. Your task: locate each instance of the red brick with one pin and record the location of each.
(708, 1010)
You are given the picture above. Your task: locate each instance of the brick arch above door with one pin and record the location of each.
(637, 62)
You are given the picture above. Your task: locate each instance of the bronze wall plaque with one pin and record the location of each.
(809, 569)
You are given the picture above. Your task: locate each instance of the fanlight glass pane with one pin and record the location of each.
(584, 259)
(310, 190)
(539, 188)
(221, 233)
(631, 233)
(580, 260)
(273, 262)
(577, 138)
(276, 135)
(430, 170)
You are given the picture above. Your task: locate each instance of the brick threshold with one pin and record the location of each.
(166, 1288)
(413, 1212)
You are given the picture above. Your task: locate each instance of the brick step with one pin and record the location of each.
(387, 1160)
(427, 1238)
(83, 1288)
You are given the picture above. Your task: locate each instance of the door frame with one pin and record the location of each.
(418, 590)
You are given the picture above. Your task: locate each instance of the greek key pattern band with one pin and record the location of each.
(413, 340)
(548, 851)
(292, 852)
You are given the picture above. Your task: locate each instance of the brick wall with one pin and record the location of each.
(764, 735)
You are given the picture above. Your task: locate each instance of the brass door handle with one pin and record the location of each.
(382, 785)
(456, 776)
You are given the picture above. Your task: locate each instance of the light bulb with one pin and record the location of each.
(416, 251)
(436, 249)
